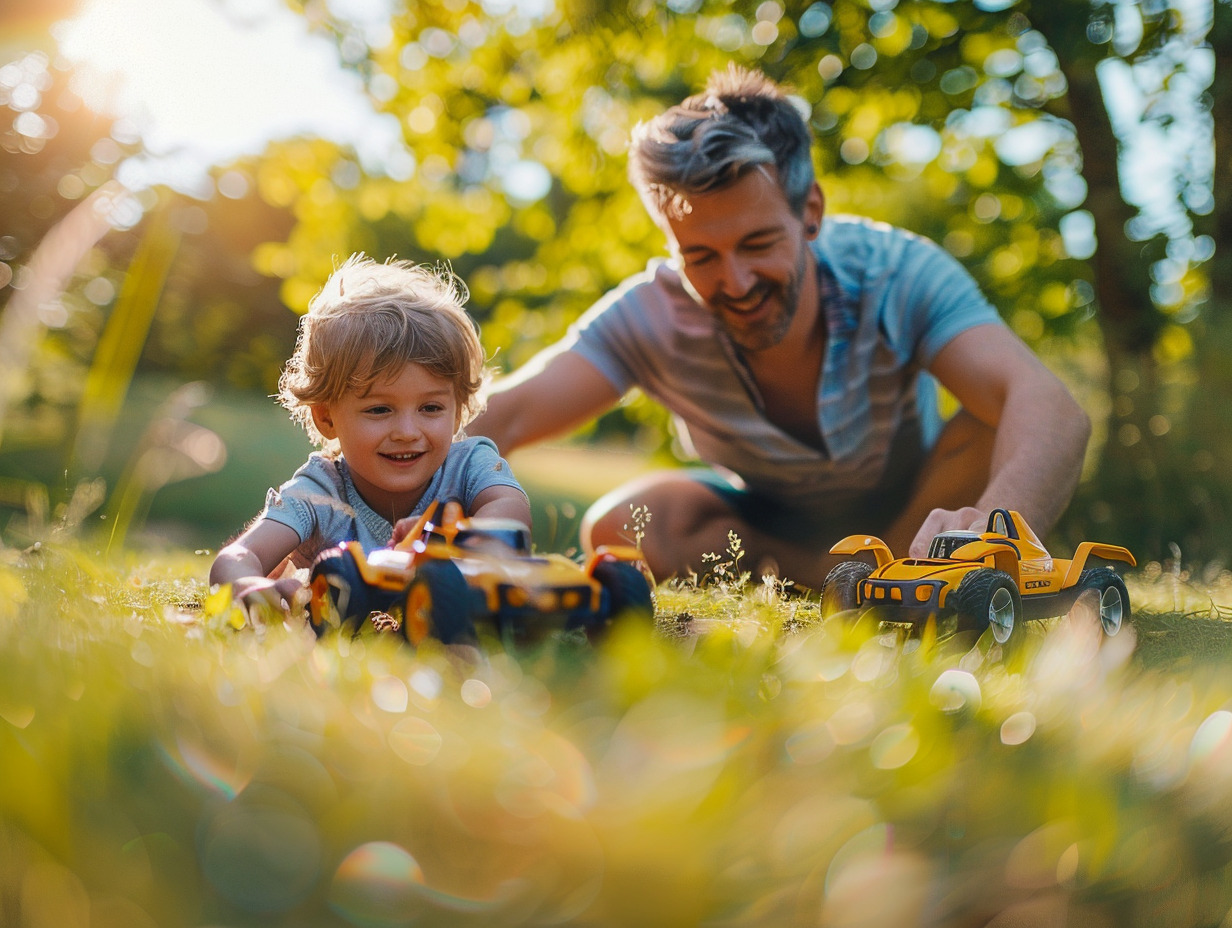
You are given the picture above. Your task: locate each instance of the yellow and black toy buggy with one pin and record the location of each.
(445, 578)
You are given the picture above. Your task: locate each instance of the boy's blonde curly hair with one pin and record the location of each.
(368, 321)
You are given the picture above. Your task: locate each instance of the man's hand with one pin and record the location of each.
(946, 520)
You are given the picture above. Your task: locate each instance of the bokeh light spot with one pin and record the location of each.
(376, 885)
(526, 181)
(956, 691)
(1018, 728)
(390, 694)
(873, 841)
(195, 763)
(1212, 735)
(894, 747)
(809, 744)
(476, 693)
(815, 20)
(851, 723)
(416, 741)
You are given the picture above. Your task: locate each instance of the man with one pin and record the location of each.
(793, 354)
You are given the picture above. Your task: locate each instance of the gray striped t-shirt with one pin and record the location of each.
(892, 300)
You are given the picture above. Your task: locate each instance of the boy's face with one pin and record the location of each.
(394, 437)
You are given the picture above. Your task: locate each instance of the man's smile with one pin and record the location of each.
(745, 306)
(750, 304)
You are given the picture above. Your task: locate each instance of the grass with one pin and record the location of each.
(742, 763)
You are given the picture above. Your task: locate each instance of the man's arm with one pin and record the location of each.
(556, 391)
(1041, 431)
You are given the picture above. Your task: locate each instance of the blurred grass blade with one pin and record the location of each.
(171, 448)
(49, 270)
(121, 344)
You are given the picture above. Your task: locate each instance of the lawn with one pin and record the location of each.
(740, 763)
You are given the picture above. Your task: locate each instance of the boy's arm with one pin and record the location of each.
(504, 503)
(246, 562)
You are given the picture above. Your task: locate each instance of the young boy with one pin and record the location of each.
(385, 374)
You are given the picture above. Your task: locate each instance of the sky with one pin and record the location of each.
(206, 81)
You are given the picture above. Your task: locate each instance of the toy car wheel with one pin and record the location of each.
(1113, 597)
(988, 598)
(338, 593)
(438, 605)
(628, 592)
(840, 591)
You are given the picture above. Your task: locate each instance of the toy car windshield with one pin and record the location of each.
(490, 537)
(947, 543)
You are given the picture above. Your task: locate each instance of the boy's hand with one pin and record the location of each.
(403, 527)
(261, 593)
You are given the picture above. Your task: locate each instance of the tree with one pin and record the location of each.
(983, 125)
(1157, 277)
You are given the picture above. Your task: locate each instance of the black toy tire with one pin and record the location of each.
(438, 604)
(988, 599)
(1114, 606)
(339, 594)
(628, 592)
(840, 591)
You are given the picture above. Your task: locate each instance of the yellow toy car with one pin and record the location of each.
(992, 580)
(444, 578)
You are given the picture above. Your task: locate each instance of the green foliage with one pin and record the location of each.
(741, 765)
(979, 125)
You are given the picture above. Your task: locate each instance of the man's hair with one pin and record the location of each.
(741, 121)
(371, 319)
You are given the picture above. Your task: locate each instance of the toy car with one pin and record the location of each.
(442, 579)
(991, 580)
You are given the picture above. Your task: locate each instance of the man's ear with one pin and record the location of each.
(323, 419)
(814, 210)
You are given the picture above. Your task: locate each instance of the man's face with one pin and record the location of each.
(743, 255)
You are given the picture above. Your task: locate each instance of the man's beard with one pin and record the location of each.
(771, 331)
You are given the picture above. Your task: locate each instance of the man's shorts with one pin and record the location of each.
(798, 524)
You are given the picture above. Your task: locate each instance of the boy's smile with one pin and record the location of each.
(394, 437)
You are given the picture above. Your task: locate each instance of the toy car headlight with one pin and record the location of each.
(390, 559)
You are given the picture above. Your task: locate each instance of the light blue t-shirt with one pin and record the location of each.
(321, 504)
(891, 299)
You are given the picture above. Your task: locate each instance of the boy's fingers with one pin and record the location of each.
(268, 597)
(293, 594)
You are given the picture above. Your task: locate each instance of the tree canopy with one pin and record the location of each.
(1063, 151)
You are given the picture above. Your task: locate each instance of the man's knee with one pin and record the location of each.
(954, 476)
(661, 505)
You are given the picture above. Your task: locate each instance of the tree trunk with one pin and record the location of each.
(1157, 479)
